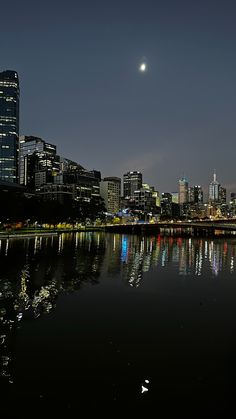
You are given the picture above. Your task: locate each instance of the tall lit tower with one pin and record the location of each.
(183, 190)
(132, 181)
(214, 190)
(110, 188)
(9, 125)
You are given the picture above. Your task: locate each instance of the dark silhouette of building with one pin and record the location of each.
(166, 205)
(197, 194)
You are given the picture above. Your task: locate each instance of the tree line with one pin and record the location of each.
(16, 207)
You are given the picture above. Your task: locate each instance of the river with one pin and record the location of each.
(108, 317)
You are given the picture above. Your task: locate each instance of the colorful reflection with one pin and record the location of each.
(35, 272)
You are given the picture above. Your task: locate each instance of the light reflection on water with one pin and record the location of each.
(35, 272)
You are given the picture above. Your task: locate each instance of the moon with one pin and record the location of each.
(143, 67)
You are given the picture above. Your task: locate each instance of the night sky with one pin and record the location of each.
(81, 88)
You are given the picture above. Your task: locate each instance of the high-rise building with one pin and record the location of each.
(214, 190)
(166, 204)
(144, 200)
(183, 190)
(110, 191)
(222, 195)
(156, 196)
(175, 197)
(233, 204)
(155, 193)
(28, 145)
(9, 125)
(197, 194)
(132, 181)
(233, 197)
(175, 207)
(38, 161)
(70, 166)
(190, 194)
(85, 182)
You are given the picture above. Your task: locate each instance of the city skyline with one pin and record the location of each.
(9, 76)
(81, 85)
(10, 93)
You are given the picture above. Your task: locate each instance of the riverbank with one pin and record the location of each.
(178, 229)
(45, 232)
(29, 234)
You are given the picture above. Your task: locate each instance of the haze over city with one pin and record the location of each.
(81, 88)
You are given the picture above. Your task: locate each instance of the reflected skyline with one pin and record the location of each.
(68, 260)
(189, 255)
(36, 272)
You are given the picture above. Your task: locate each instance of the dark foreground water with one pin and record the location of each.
(97, 318)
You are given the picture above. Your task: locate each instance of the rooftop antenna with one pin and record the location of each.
(214, 175)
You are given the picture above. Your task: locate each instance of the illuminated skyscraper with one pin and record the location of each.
(38, 161)
(183, 190)
(28, 145)
(132, 181)
(9, 125)
(110, 191)
(214, 190)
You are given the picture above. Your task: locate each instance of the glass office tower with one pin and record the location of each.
(132, 181)
(9, 125)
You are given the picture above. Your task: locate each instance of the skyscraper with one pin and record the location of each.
(222, 195)
(233, 204)
(132, 181)
(166, 204)
(28, 145)
(214, 190)
(190, 194)
(175, 197)
(183, 190)
(38, 161)
(9, 125)
(197, 194)
(110, 188)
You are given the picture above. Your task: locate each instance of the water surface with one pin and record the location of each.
(104, 317)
